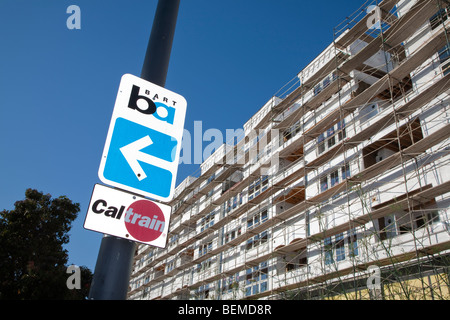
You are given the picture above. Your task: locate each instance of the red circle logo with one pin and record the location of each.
(144, 220)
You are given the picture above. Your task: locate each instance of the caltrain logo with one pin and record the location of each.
(143, 219)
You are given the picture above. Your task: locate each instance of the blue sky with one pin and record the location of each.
(58, 86)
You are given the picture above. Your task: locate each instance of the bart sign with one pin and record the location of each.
(143, 143)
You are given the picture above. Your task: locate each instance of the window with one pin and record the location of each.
(256, 219)
(341, 130)
(426, 218)
(345, 170)
(331, 141)
(329, 138)
(291, 131)
(204, 248)
(256, 279)
(210, 179)
(173, 239)
(202, 292)
(150, 256)
(437, 19)
(256, 240)
(318, 88)
(232, 282)
(207, 221)
(204, 265)
(170, 266)
(352, 243)
(403, 222)
(145, 293)
(387, 227)
(231, 204)
(328, 250)
(334, 178)
(296, 264)
(444, 55)
(231, 235)
(323, 183)
(258, 186)
(340, 248)
(334, 248)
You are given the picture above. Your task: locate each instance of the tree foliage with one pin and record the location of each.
(32, 258)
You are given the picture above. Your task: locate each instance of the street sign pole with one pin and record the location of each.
(115, 259)
(156, 62)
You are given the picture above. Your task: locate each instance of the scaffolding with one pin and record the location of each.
(361, 143)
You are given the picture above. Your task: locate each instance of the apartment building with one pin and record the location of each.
(342, 179)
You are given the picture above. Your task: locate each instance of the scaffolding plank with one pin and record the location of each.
(420, 197)
(407, 24)
(415, 103)
(370, 93)
(361, 26)
(396, 159)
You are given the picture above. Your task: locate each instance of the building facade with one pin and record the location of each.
(340, 187)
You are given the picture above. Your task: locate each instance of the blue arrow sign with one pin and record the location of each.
(143, 144)
(124, 152)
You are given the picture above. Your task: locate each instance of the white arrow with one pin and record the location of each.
(132, 153)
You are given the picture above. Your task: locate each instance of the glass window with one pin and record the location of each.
(258, 186)
(255, 289)
(323, 184)
(321, 143)
(444, 55)
(345, 171)
(333, 135)
(341, 130)
(321, 137)
(256, 279)
(256, 219)
(340, 248)
(331, 141)
(352, 243)
(317, 89)
(334, 178)
(264, 215)
(263, 286)
(326, 82)
(437, 19)
(328, 247)
(257, 240)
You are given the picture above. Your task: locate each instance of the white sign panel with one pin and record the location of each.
(128, 216)
(143, 144)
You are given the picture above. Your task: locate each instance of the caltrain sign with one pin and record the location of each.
(125, 215)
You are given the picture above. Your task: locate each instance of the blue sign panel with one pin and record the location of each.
(118, 168)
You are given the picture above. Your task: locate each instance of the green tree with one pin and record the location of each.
(32, 258)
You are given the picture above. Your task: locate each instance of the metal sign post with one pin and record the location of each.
(114, 263)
